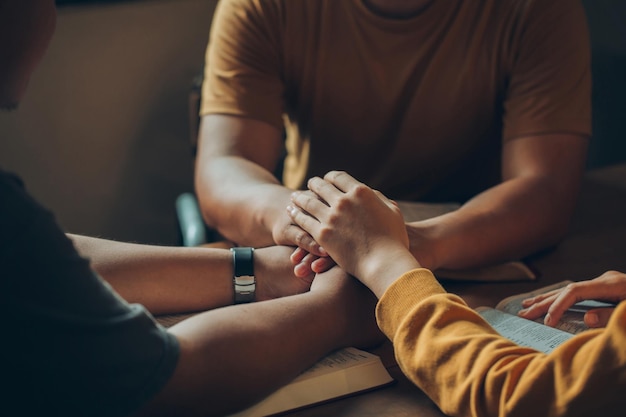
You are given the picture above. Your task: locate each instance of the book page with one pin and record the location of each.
(524, 332)
(345, 372)
(572, 320)
(513, 303)
(341, 359)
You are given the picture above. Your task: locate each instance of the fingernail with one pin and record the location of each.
(548, 320)
(294, 194)
(297, 269)
(522, 311)
(592, 319)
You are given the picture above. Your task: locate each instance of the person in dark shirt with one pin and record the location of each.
(80, 339)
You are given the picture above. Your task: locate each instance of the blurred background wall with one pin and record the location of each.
(102, 136)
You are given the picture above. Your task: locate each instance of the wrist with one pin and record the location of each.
(272, 206)
(385, 268)
(422, 245)
(244, 281)
(274, 274)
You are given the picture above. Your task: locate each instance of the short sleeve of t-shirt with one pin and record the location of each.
(244, 75)
(72, 346)
(549, 88)
(547, 58)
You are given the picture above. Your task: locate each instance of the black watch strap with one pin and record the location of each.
(244, 282)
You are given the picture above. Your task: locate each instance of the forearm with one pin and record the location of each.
(245, 353)
(506, 222)
(163, 279)
(460, 362)
(240, 199)
(180, 279)
(234, 356)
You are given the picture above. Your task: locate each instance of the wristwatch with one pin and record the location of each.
(244, 282)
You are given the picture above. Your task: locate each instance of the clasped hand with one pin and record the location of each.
(349, 220)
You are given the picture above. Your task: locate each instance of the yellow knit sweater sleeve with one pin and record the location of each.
(467, 369)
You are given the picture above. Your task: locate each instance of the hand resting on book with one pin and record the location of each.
(609, 287)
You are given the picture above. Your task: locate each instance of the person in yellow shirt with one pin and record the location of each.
(445, 347)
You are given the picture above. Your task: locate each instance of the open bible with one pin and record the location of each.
(534, 334)
(346, 372)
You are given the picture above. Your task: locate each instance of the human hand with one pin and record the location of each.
(305, 263)
(275, 275)
(609, 287)
(357, 226)
(353, 307)
(285, 232)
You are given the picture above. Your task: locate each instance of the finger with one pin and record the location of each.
(569, 296)
(595, 289)
(538, 309)
(602, 288)
(309, 203)
(303, 221)
(312, 195)
(322, 264)
(297, 255)
(299, 234)
(304, 269)
(324, 190)
(598, 317)
(341, 180)
(540, 297)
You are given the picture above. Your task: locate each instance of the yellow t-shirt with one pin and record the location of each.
(467, 369)
(417, 108)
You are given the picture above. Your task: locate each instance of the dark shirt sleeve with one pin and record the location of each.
(73, 347)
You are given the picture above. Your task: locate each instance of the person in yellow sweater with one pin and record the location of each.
(445, 347)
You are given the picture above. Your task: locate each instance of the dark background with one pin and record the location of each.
(607, 26)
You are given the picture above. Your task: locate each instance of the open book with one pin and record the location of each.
(346, 372)
(506, 271)
(535, 334)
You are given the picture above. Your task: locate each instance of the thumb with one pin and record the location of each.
(598, 317)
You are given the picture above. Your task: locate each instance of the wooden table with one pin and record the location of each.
(595, 244)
